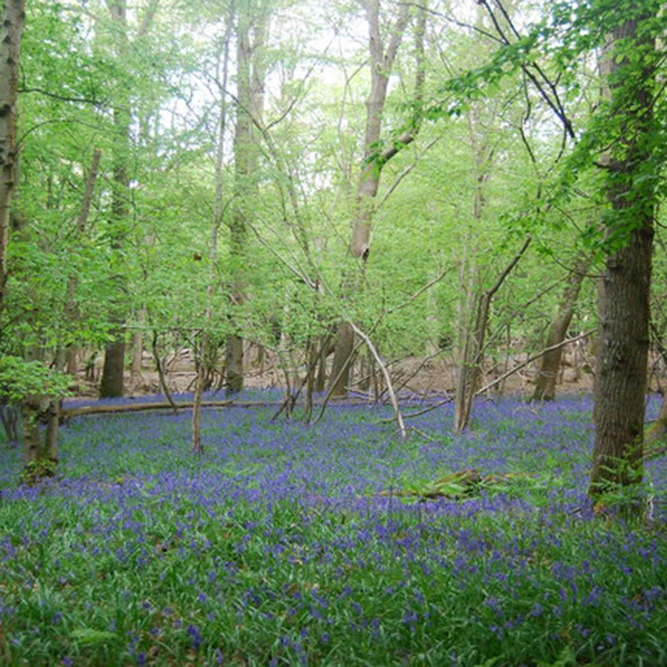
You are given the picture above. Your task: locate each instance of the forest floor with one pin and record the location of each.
(337, 543)
(410, 376)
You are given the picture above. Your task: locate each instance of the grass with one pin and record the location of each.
(284, 545)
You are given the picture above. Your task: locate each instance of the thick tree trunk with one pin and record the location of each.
(112, 384)
(622, 360)
(33, 445)
(234, 364)
(340, 370)
(549, 366)
(620, 381)
(13, 16)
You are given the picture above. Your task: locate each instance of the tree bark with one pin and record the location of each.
(473, 351)
(252, 31)
(622, 361)
(112, 383)
(11, 30)
(137, 353)
(52, 429)
(545, 385)
(382, 61)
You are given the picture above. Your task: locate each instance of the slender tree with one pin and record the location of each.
(112, 383)
(383, 49)
(549, 363)
(251, 38)
(204, 360)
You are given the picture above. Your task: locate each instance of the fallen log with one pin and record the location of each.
(67, 413)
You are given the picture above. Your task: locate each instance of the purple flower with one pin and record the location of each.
(195, 635)
(536, 609)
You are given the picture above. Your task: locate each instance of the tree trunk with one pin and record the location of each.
(340, 370)
(205, 359)
(33, 447)
(473, 351)
(9, 418)
(196, 445)
(138, 345)
(321, 379)
(382, 62)
(549, 366)
(252, 33)
(112, 384)
(71, 310)
(52, 426)
(13, 17)
(622, 361)
(113, 372)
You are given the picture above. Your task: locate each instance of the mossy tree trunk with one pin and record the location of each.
(631, 172)
(11, 30)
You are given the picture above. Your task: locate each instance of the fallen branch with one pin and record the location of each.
(66, 413)
(387, 378)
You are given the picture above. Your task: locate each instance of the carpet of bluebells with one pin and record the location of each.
(283, 544)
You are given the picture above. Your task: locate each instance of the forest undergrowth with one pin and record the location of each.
(331, 544)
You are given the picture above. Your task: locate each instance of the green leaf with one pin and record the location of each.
(90, 636)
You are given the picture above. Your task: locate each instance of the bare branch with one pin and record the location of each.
(385, 373)
(509, 268)
(62, 98)
(523, 364)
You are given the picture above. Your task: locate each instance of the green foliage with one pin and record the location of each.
(167, 84)
(20, 379)
(37, 471)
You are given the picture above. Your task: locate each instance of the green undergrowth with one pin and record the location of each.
(338, 546)
(105, 583)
